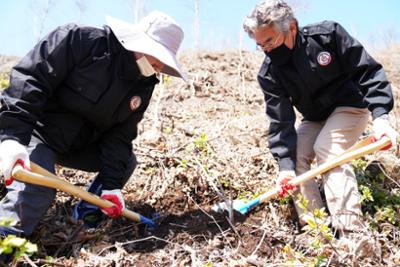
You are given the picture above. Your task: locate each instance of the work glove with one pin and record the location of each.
(11, 153)
(115, 196)
(381, 127)
(282, 181)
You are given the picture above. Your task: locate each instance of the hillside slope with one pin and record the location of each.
(194, 140)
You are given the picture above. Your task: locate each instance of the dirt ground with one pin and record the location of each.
(196, 139)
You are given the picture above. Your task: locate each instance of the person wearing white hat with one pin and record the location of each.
(156, 36)
(75, 100)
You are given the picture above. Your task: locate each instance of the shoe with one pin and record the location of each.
(9, 230)
(360, 244)
(89, 213)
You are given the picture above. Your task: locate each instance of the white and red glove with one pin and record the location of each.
(381, 127)
(282, 181)
(114, 196)
(11, 153)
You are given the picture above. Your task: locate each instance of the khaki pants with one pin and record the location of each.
(323, 141)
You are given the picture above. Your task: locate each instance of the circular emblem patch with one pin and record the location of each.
(324, 58)
(135, 102)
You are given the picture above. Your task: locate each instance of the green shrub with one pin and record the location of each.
(378, 200)
(317, 227)
(15, 245)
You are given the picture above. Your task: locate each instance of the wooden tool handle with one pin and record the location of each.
(40, 176)
(364, 142)
(362, 148)
(360, 151)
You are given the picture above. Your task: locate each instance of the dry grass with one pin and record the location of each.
(198, 141)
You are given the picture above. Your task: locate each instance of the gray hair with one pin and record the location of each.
(275, 13)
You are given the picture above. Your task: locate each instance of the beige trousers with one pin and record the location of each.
(323, 141)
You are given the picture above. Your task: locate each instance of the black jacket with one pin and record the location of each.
(328, 68)
(74, 89)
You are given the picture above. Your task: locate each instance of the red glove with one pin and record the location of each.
(114, 196)
(283, 182)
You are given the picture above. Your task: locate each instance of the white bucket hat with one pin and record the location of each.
(157, 35)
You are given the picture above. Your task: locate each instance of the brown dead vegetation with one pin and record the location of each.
(196, 137)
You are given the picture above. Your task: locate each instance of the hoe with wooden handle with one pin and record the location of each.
(364, 147)
(40, 176)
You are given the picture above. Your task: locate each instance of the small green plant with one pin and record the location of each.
(224, 182)
(386, 214)
(378, 201)
(168, 130)
(285, 200)
(167, 80)
(200, 143)
(247, 195)
(316, 221)
(49, 259)
(18, 246)
(7, 222)
(295, 258)
(317, 227)
(3, 81)
(366, 194)
(208, 264)
(15, 245)
(184, 163)
(150, 171)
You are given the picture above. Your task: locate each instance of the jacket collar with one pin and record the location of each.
(300, 41)
(127, 67)
(305, 49)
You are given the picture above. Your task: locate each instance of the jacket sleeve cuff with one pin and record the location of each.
(286, 164)
(379, 111)
(16, 131)
(110, 183)
(15, 138)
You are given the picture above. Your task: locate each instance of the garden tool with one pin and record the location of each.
(364, 147)
(40, 176)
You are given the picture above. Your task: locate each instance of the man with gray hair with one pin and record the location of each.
(329, 77)
(76, 100)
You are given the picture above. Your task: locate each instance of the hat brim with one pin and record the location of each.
(133, 38)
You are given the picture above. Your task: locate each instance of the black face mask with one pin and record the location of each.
(280, 55)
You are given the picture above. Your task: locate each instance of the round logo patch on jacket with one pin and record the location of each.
(324, 58)
(135, 102)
